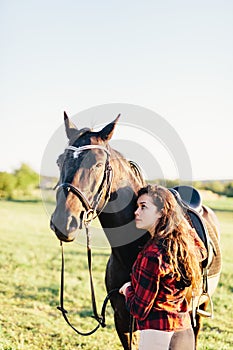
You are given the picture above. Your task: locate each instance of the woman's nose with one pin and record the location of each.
(136, 212)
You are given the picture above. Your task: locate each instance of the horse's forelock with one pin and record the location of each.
(78, 134)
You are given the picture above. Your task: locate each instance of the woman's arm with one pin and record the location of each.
(141, 294)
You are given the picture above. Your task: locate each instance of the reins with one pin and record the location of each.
(99, 318)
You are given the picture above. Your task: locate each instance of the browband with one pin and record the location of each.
(78, 150)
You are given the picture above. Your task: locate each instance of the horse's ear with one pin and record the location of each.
(107, 132)
(71, 129)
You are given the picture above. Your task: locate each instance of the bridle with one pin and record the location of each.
(92, 210)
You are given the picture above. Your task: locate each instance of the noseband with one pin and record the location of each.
(91, 208)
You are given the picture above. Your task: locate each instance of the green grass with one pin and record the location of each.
(217, 333)
(221, 204)
(30, 280)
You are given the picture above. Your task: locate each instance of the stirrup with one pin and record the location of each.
(204, 313)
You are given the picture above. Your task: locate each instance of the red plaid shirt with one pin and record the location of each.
(154, 298)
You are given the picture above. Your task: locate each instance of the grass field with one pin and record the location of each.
(30, 275)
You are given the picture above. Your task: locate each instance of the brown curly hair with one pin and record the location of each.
(175, 237)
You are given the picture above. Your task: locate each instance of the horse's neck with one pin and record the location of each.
(117, 218)
(120, 208)
(125, 173)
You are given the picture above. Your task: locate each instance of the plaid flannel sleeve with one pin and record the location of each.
(141, 294)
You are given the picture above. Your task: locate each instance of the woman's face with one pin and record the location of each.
(147, 214)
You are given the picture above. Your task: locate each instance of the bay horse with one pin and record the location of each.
(96, 179)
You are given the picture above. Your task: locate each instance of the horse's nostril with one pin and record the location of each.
(72, 224)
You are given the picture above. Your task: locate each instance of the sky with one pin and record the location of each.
(172, 57)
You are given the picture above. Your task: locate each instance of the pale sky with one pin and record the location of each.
(173, 57)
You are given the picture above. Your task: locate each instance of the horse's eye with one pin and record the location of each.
(99, 165)
(60, 161)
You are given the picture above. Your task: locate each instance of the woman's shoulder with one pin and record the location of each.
(152, 255)
(152, 249)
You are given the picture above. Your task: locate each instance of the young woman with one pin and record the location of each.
(167, 265)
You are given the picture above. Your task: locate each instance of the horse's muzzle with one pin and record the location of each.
(69, 233)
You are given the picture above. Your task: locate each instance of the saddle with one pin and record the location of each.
(190, 201)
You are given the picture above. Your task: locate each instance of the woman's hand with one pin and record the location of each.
(124, 287)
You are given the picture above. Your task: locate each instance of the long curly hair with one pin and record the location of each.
(175, 237)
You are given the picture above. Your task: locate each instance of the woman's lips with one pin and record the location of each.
(137, 220)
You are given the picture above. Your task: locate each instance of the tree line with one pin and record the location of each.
(24, 181)
(220, 187)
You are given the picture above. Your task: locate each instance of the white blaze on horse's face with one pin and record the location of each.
(84, 175)
(76, 154)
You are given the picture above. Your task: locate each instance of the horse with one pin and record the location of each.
(97, 180)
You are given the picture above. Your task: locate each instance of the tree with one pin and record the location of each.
(26, 179)
(229, 189)
(7, 185)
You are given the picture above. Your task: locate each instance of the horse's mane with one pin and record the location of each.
(128, 167)
(137, 171)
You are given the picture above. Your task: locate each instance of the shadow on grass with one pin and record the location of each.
(48, 295)
(26, 200)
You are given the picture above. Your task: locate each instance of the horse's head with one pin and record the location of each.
(85, 178)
